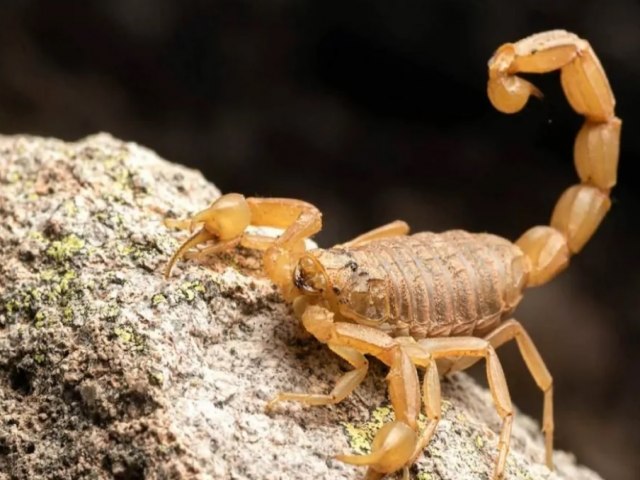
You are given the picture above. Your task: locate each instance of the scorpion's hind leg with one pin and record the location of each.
(508, 331)
(476, 347)
(513, 329)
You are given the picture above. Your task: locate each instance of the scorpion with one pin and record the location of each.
(437, 301)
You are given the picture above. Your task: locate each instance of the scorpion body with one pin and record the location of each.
(440, 302)
(428, 285)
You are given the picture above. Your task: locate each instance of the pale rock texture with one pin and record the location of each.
(109, 371)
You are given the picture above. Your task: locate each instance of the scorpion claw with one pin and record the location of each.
(227, 217)
(391, 449)
(225, 220)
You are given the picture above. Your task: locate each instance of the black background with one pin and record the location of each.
(373, 110)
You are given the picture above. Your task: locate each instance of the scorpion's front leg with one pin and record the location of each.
(395, 444)
(343, 388)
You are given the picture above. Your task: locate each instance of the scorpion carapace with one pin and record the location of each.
(435, 301)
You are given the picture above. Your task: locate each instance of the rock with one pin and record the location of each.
(109, 371)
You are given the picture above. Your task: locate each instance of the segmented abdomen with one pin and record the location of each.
(451, 283)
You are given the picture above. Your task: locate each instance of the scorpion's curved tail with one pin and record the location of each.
(581, 207)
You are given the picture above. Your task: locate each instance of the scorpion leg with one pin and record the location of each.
(343, 388)
(395, 443)
(506, 332)
(445, 347)
(431, 395)
(396, 228)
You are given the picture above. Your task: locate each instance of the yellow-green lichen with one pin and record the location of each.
(47, 275)
(11, 305)
(190, 289)
(39, 358)
(67, 314)
(134, 251)
(124, 333)
(70, 208)
(125, 250)
(158, 298)
(36, 235)
(111, 311)
(21, 301)
(111, 219)
(54, 298)
(155, 378)
(58, 285)
(40, 319)
(424, 476)
(361, 435)
(127, 335)
(14, 177)
(62, 250)
(65, 281)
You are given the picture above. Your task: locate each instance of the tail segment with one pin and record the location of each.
(581, 207)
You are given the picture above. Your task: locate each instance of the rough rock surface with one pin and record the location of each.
(109, 371)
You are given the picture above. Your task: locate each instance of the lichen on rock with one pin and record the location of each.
(109, 371)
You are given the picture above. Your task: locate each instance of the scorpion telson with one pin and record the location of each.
(442, 301)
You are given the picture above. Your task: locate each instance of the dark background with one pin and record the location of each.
(373, 110)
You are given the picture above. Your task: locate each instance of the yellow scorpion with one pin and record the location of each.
(438, 301)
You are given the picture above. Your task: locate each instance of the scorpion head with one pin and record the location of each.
(310, 277)
(333, 277)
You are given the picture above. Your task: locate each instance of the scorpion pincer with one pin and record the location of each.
(441, 301)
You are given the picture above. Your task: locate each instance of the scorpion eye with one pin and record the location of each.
(309, 276)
